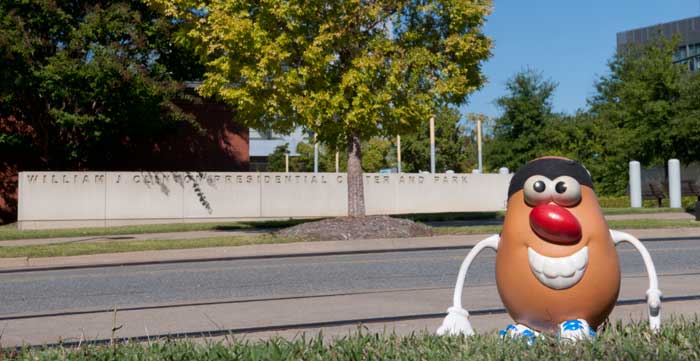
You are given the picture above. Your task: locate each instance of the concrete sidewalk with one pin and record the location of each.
(296, 249)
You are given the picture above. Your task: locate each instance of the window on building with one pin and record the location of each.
(681, 54)
(693, 49)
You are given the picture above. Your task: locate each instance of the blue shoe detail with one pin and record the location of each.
(519, 331)
(572, 325)
(575, 330)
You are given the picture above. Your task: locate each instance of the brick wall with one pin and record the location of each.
(223, 145)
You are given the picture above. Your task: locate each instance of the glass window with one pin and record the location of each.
(693, 49)
(680, 54)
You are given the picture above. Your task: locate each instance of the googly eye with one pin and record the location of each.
(537, 190)
(567, 191)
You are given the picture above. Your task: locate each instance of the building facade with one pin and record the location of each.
(687, 30)
(262, 144)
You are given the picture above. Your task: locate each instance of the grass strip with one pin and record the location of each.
(677, 340)
(615, 211)
(84, 248)
(10, 232)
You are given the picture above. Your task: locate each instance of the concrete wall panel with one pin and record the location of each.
(62, 196)
(71, 199)
(221, 195)
(303, 194)
(138, 195)
(380, 193)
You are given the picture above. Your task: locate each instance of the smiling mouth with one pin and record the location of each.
(558, 272)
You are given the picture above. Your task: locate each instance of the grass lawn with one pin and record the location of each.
(613, 211)
(678, 340)
(10, 232)
(82, 248)
(615, 224)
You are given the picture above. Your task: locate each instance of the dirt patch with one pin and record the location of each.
(344, 228)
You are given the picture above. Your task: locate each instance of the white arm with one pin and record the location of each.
(653, 293)
(457, 320)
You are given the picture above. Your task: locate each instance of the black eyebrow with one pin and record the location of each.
(550, 168)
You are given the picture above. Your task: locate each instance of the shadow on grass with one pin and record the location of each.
(271, 224)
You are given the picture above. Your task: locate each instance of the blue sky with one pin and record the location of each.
(570, 42)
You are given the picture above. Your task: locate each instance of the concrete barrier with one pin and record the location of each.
(84, 199)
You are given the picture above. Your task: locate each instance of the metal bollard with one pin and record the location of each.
(697, 209)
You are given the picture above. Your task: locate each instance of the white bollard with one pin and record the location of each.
(635, 185)
(503, 170)
(674, 182)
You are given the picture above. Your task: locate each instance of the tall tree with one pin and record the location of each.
(82, 84)
(639, 97)
(647, 107)
(87, 77)
(685, 126)
(346, 70)
(518, 134)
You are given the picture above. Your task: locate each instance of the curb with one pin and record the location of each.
(249, 252)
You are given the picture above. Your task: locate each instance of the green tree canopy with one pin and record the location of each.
(640, 96)
(646, 109)
(345, 70)
(83, 79)
(519, 133)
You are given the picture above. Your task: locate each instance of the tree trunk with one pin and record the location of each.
(356, 191)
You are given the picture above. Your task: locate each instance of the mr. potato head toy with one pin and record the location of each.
(557, 269)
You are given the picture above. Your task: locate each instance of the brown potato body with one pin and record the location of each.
(531, 303)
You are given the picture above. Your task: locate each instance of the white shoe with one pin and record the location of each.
(516, 331)
(575, 330)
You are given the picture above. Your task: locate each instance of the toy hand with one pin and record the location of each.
(456, 323)
(654, 302)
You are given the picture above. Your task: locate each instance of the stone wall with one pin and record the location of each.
(79, 199)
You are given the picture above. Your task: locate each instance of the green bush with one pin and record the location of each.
(678, 340)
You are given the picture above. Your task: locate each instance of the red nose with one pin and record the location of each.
(555, 224)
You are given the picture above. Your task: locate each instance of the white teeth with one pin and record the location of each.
(558, 272)
(551, 268)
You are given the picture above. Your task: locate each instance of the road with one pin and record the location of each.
(284, 291)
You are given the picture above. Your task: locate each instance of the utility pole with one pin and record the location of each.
(398, 153)
(315, 154)
(478, 141)
(432, 144)
(479, 118)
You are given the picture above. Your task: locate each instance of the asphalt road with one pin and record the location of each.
(94, 288)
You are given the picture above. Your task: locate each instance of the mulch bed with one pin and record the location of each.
(344, 228)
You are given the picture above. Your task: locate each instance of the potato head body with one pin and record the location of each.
(557, 268)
